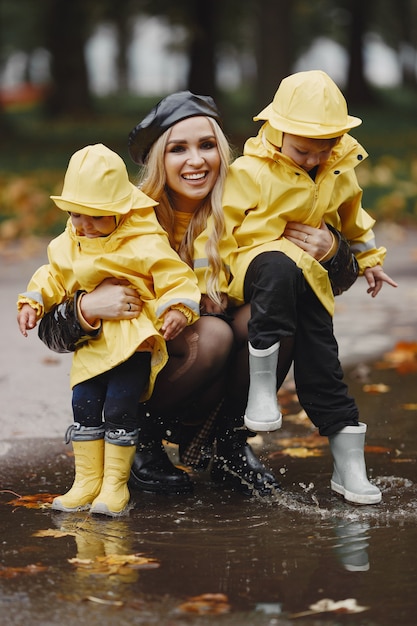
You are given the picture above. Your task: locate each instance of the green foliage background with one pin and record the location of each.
(35, 154)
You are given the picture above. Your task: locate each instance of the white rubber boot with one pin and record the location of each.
(262, 411)
(349, 470)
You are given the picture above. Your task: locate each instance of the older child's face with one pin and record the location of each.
(91, 227)
(307, 153)
(192, 162)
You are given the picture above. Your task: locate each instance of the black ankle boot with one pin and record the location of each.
(236, 465)
(153, 471)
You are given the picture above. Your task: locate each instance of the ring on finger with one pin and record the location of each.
(130, 306)
(305, 239)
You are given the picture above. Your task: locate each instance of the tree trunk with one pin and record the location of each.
(273, 47)
(201, 76)
(66, 35)
(358, 90)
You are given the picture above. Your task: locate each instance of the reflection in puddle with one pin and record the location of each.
(271, 558)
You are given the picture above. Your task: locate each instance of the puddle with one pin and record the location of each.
(270, 559)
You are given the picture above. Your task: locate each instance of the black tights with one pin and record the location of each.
(196, 369)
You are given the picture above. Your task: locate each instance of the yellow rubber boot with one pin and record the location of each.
(89, 462)
(114, 495)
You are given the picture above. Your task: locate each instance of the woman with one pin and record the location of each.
(185, 157)
(203, 361)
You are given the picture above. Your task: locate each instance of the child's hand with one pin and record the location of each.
(174, 322)
(27, 319)
(376, 277)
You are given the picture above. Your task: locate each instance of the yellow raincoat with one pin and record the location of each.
(137, 250)
(265, 190)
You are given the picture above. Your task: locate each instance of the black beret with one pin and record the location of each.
(170, 110)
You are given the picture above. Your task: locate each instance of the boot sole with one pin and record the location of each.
(102, 509)
(64, 509)
(136, 484)
(263, 426)
(355, 498)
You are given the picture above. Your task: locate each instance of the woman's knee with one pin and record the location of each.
(216, 339)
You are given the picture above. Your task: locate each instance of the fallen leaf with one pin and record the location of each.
(132, 560)
(329, 606)
(376, 388)
(112, 564)
(301, 453)
(13, 572)
(53, 532)
(377, 449)
(403, 358)
(104, 601)
(206, 604)
(35, 501)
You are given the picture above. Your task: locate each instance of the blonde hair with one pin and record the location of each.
(152, 181)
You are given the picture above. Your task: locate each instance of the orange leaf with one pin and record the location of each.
(377, 449)
(35, 501)
(13, 572)
(206, 604)
(376, 388)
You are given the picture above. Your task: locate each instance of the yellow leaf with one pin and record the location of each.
(376, 388)
(52, 532)
(301, 453)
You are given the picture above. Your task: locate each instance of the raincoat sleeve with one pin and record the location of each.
(356, 225)
(44, 291)
(174, 282)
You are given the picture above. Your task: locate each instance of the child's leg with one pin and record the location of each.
(87, 435)
(273, 284)
(125, 387)
(324, 396)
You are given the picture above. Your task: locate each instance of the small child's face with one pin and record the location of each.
(91, 227)
(305, 152)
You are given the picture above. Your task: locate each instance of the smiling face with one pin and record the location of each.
(91, 227)
(305, 152)
(192, 162)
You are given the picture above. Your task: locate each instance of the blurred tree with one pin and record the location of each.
(202, 19)
(67, 27)
(275, 50)
(357, 90)
(406, 14)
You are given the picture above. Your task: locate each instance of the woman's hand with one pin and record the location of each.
(113, 299)
(317, 242)
(376, 277)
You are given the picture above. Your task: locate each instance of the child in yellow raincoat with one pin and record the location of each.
(112, 231)
(300, 170)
